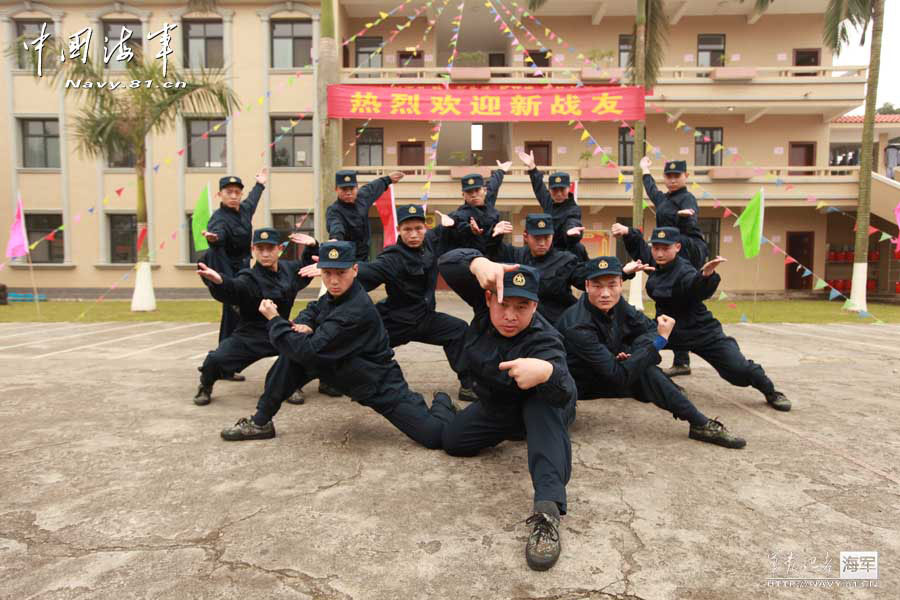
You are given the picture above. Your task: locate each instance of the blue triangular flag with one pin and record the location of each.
(743, 318)
(831, 209)
(156, 168)
(833, 294)
(864, 314)
(806, 272)
(91, 210)
(707, 195)
(627, 187)
(763, 239)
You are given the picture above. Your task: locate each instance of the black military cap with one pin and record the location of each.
(345, 178)
(266, 235)
(602, 265)
(538, 224)
(337, 255)
(675, 166)
(472, 182)
(410, 211)
(522, 283)
(230, 180)
(664, 235)
(559, 180)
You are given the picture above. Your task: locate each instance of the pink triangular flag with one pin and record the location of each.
(788, 260)
(18, 241)
(727, 214)
(119, 192)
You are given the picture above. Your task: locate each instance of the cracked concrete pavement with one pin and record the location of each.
(113, 484)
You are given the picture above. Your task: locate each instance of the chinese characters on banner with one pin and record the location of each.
(486, 103)
(79, 46)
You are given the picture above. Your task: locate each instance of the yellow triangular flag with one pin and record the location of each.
(679, 125)
(694, 186)
(718, 148)
(259, 100)
(383, 15)
(820, 205)
(585, 135)
(621, 178)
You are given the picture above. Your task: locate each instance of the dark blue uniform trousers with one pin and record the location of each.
(405, 409)
(437, 329)
(724, 354)
(651, 386)
(546, 432)
(235, 353)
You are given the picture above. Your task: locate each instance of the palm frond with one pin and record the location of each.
(656, 35)
(841, 18)
(533, 5)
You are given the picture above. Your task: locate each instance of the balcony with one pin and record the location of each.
(750, 91)
(784, 186)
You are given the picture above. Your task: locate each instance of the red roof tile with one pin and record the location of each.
(859, 119)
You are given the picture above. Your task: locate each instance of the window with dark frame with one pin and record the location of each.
(295, 148)
(626, 47)
(705, 145)
(28, 31)
(38, 226)
(410, 60)
(291, 44)
(366, 57)
(711, 228)
(206, 147)
(40, 143)
(710, 50)
(122, 239)
(121, 160)
(204, 43)
(370, 147)
(807, 58)
(288, 223)
(540, 58)
(626, 146)
(113, 32)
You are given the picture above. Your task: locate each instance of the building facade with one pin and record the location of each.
(749, 100)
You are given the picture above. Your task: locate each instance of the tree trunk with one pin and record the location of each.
(143, 298)
(635, 295)
(861, 248)
(329, 142)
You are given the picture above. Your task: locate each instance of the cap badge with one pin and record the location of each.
(412, 210)
(519, 279)
(264, 235)
(541, 224)
(346, 178)
(602, 264)
(557, 180)
(661, 235)
(333, 253)
(232, 180)
(471, 181)
(671, 165)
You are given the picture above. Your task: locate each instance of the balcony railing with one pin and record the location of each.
(563, 75)
(755, 174)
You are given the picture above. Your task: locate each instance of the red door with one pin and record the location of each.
(802, 154)
(542, 157)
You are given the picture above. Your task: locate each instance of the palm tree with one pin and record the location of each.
(118, 123)
(328, 73)
(841, 18)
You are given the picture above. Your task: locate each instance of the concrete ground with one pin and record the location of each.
(114, 485)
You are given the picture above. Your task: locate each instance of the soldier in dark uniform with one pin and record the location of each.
(677, 208)
(409, 271)
(612, 350)
(228, 234)
(560, 204)
(559, 269)
(268, 278)
(474, 221)
(679, 291)
(347, 219)
(518, 365)
(340, 338)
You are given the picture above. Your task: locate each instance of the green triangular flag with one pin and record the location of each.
(820, 284)
(722, 295)
(202, 212)
(644, 205)
(751, 224)
(884, 236)
(848, 304)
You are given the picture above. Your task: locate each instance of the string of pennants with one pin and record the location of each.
(413, 51)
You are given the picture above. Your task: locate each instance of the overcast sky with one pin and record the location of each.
(854, 54)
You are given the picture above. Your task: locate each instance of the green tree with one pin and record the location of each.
(118, 123)
(888, 109)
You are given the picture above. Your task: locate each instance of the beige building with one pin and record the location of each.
(760, 88)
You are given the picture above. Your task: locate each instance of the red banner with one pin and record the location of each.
(486, 103)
